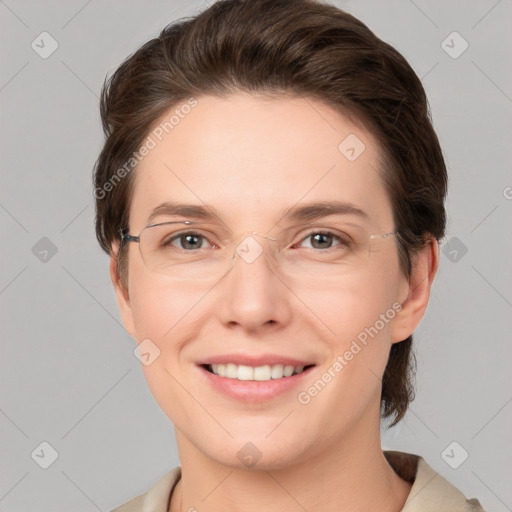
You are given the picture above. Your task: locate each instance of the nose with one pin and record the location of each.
(253, 294)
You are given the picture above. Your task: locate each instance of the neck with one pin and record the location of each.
(351, 475)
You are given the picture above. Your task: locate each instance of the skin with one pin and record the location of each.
(249, 157)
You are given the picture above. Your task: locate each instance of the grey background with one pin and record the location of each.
(69, 376)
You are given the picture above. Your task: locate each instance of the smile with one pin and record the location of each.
(254, 378)
(255, 373)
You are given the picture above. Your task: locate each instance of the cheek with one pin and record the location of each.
(360, 314)
(347, 308)
(162, 311)
(165, 315)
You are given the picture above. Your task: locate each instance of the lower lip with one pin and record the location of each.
(254, 390)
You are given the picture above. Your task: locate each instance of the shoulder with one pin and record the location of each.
(430, 491)
(156, 499)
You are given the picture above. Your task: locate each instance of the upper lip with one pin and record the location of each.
(262, 360)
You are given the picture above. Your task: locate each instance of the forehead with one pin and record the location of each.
(250, 157)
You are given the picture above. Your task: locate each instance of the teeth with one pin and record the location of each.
(244, 373)
(266, 372)
(262, 372)
(231, 371)
(277, 371)
(288, 370)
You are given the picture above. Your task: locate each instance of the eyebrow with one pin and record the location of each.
(304, 212)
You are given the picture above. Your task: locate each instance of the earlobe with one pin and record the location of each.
(414, 305)
(122, 293)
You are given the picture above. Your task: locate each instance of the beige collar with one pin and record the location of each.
(430, 491)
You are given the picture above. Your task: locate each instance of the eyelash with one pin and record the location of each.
(344, 241)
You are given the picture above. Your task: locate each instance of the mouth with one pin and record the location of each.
(255, 373)
(254, 382)
(254, 378)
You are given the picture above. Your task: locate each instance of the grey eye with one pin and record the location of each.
(186, 241)
(320, 240)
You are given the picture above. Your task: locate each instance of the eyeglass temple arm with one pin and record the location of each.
(125, 237)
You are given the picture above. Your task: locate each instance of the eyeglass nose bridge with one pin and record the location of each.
(249, 249)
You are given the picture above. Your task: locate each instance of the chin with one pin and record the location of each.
(257, 452)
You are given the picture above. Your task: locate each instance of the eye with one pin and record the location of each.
(324, 240)
(187, 241)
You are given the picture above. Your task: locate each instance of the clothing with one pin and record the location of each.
(430, 492)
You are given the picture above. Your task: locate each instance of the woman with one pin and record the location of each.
(271, 195)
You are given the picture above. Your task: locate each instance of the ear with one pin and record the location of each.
(122, 294)
(416, 292)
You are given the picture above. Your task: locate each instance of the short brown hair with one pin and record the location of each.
(297, 47)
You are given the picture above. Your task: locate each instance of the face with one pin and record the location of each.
(253, 159)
